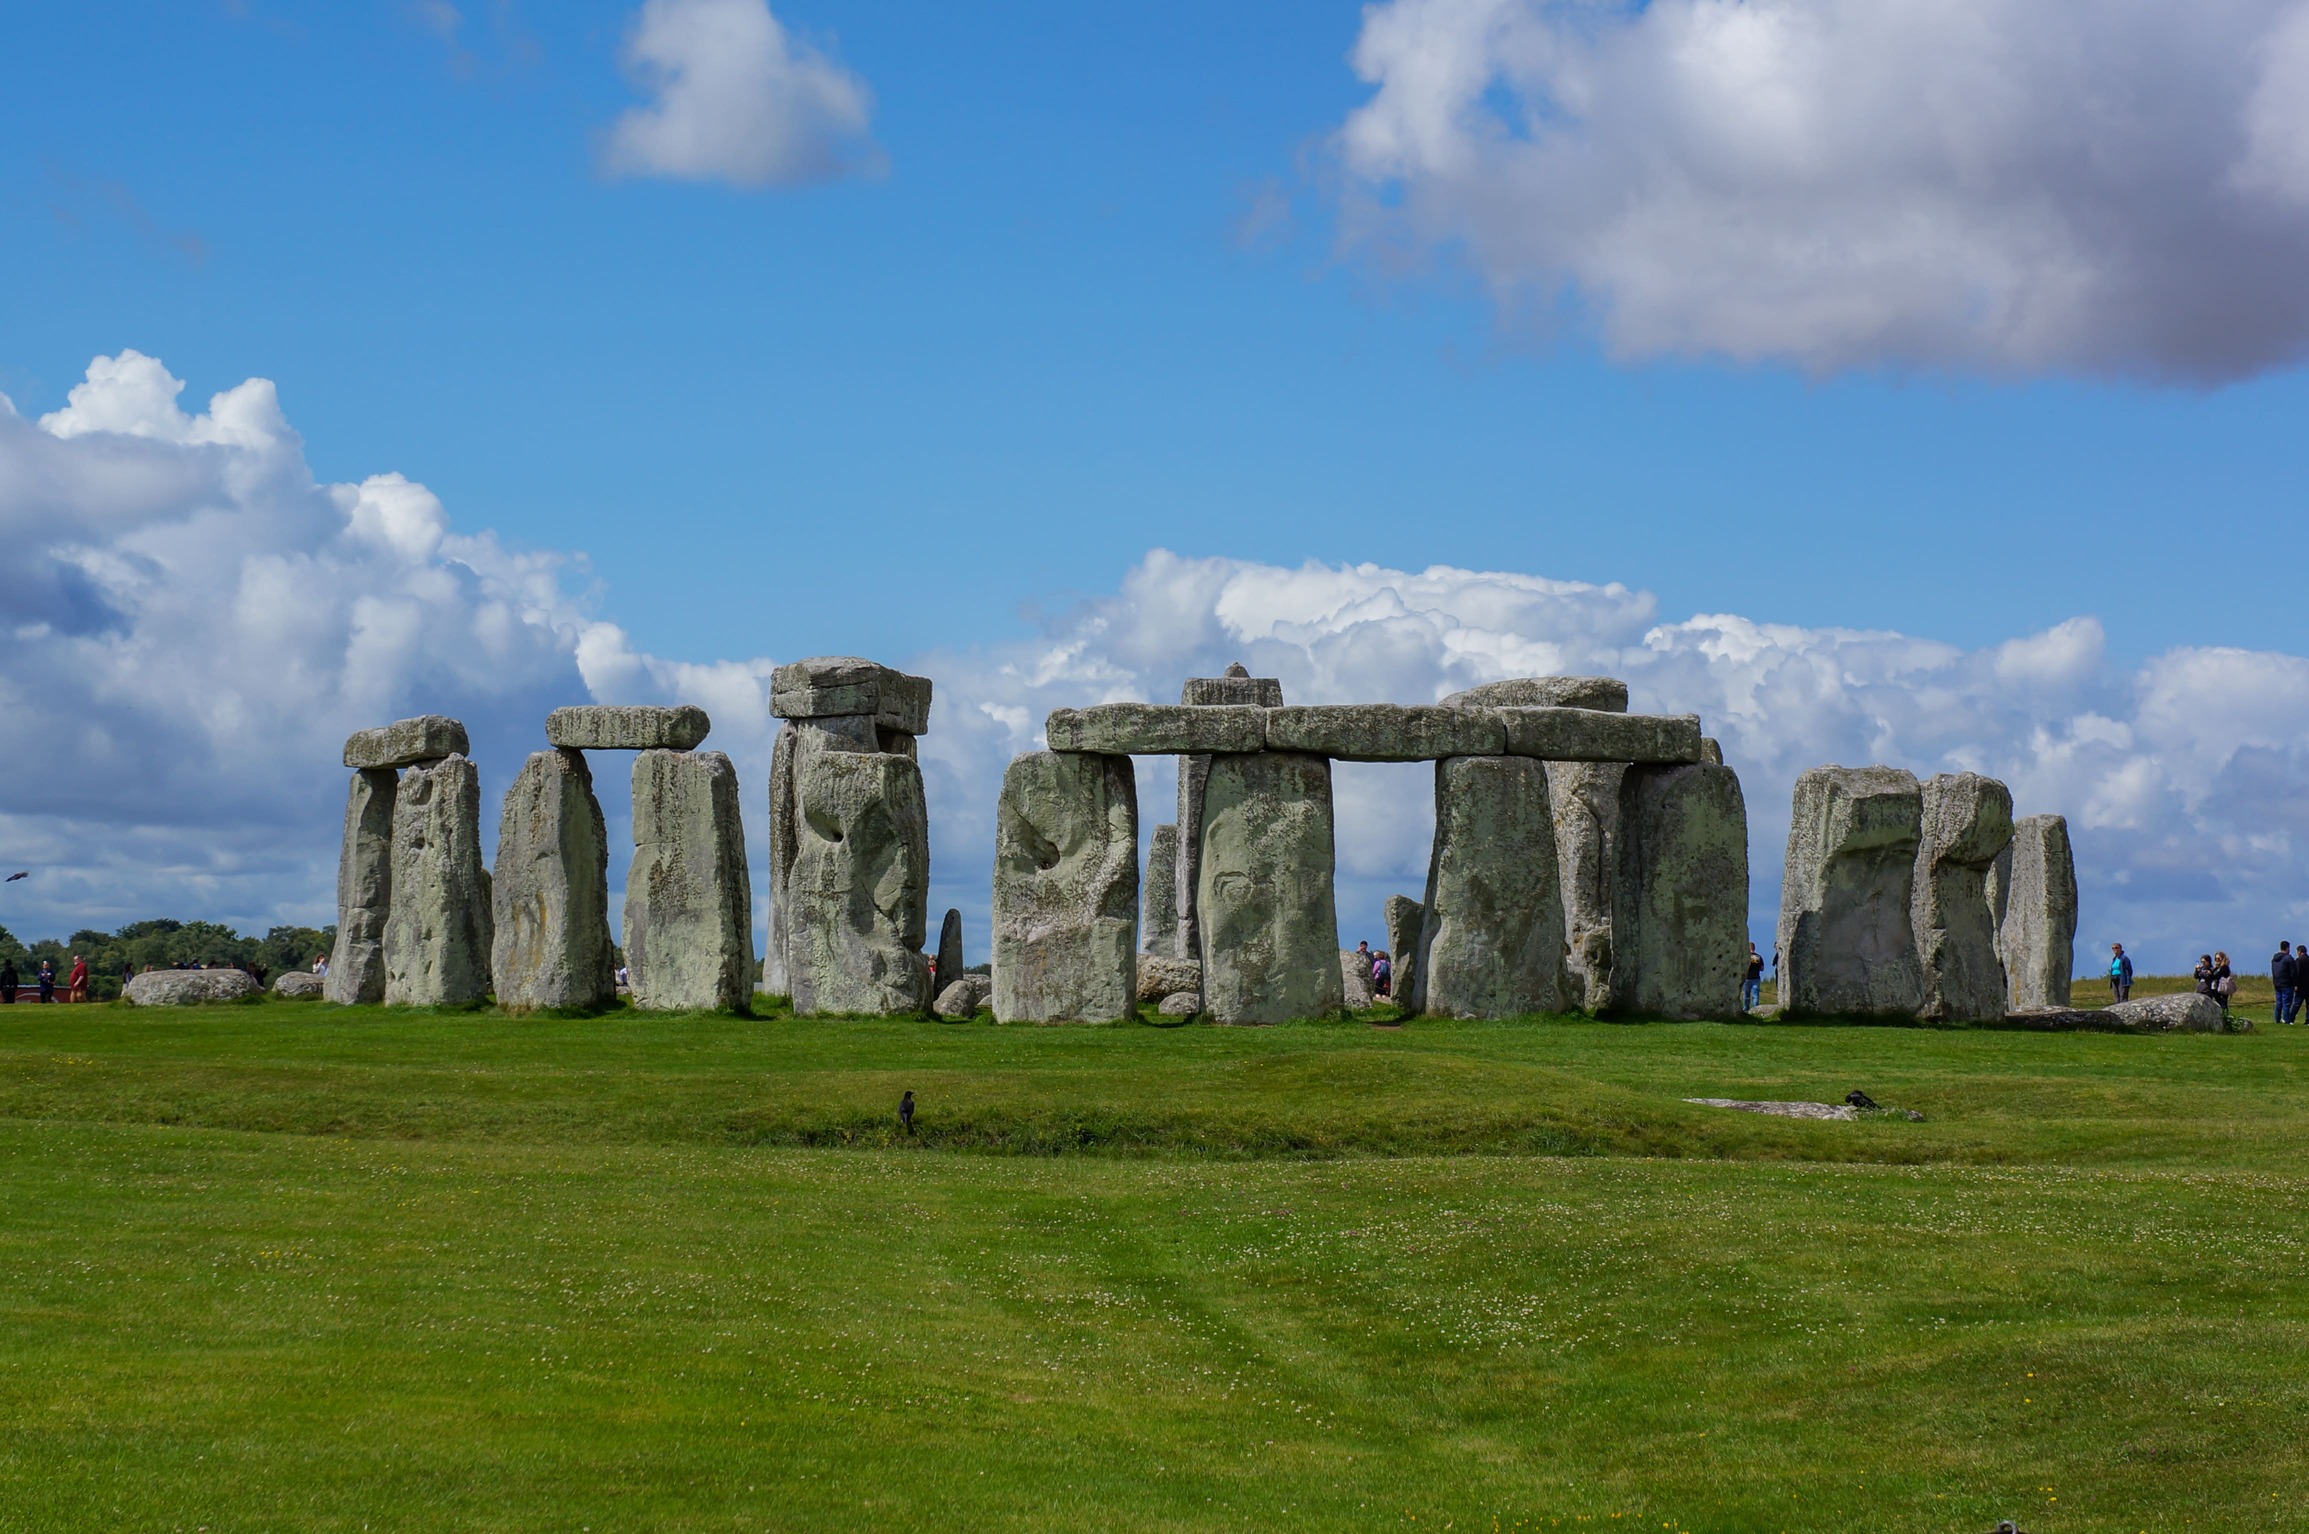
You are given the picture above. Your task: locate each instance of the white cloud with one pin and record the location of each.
(738, 99)
(2116, 188)
(192, 625)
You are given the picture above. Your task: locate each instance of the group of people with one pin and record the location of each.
(2289, 972)
(1382, 970)
(75, 981)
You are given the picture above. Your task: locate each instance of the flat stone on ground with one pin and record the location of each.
(627, 727)
(1181, 1004)
(299, 985)
(187, 987)
(2184, 1012)
(406, 742)
(1781, 1110)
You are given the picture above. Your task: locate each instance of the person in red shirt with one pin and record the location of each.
(76, 984)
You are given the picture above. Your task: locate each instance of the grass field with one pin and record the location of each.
(285, 1267)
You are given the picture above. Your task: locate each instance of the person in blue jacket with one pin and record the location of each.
(2120, 973)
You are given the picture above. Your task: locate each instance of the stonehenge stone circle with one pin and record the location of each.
(1375, 732)
(606, 727)
(1066, 889)
(1237, 689)
(437, 933)
(364, 889)
(689, 912)
(1492, 932)
(187, 987)
(1159, 893)
(949, 951)
(2036, 901)
(1847, 940)
(405, 743)
(1965, 824)
(856, 890)
(550, 889)
(1680, 893)
(1270, 945)
(1403, 917)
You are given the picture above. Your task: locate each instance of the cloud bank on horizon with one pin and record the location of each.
(193, 625)
(2117, 189)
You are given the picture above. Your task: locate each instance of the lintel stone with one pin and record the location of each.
(1590, 735)
(831, 686)
(626, 727)
(1385, 732)
(405, 743)
(1156, 729)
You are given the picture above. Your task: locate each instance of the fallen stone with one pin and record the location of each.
(959, 1001)
(364, 891)
(2035, 896)
(832, 685)
(1781, 1110)
(404, 743)
(1066, 889)
(2065, 1020)
(689, 905)
(1160, 975)
(550, 890)
(1492, 934)
(949, 951)
(2183, 1012)
(857, 891)
(187, 987)
(1606, 693)
(1385, 732)
(1402, 916)
(622, 727)
(1355, 992)
(1270, 941)
(1159, 894)
(437, 936)
(1591, 735)
(1180, 1004)
(1155, 729)
(299, 985)
(1965, 824)
(1846, 937)
(1680, 893)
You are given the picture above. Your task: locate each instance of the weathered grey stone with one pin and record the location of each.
(437, 936)
(961, 1000)
(1584, 803)
(1607, 693)
(1160, 975)
(1155, 729)
(833, 685)
(1180, 1004)
(1591, 735)
(2187, 1011)
(1843, 1111)
(1966, 821)
(1680, 893)
(1385, 732)
(1354, 979)
(1404, 917)
(1238, 686)
(1491, 940)
(1159, 893)
(1711, 751)
(405, 742)
(627, 727)
(1847, 943)
(1066, 889)
(949, 951)
(857, 891)
(187, 987)
(299, 985)
(550, 890)
(1270, 929)
(689, 906)
(2036, 900)
(364, 890)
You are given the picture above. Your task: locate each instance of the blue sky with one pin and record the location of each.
(1187, 277)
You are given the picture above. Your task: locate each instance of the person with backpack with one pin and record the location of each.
(2224, 983)
(2120, 973)
(2285, 975)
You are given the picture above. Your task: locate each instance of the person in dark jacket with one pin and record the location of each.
(7, 982)
(47, 982)
(906, 1112)
(2285, 975)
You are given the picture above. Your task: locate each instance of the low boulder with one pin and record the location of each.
(1160, 975)
(299, 985)
(964, 997)
(187, 987)
(2186, 1012)
(1181, 1004)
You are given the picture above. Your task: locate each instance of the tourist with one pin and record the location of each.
(2203, 974)
(2120, 973)
(2300, 982)
(321, 965)
(2224, 983)
(76, 983)
(7, 982)
(47, 982)
(1382, 974)
(2284, 974)
(906, 1112)
(1752, 985)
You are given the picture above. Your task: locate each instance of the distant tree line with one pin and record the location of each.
(165, 944)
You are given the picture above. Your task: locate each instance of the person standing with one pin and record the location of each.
(2284, 974)
(2120, 973)
(2224, 983)
(906, 1112)
(1383, 975)
(7, 982)
(76, 983)
(47, 982)
(1752, 984)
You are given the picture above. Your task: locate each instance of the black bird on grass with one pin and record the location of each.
(906, 1112)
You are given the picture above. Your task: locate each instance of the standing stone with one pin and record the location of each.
(1269, 928)
(857, 890)
(1066, 889)
(1583, 800)
(551, 890)
(2037, 904)
(1237, 688)
(364, 890)
(689, 907)
(437, 939)
(1159, 905)
(1403, 917)
(1966, 823)
(1847, 942)
(1492, 936)
(1354, 979)
(1680, 893)
(949, 951)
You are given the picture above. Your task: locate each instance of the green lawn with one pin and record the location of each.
(284, 1267)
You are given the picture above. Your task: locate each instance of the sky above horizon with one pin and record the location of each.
(1884, 381)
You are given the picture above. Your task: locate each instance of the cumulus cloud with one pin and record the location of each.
(737, 98)
(2109, 189)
